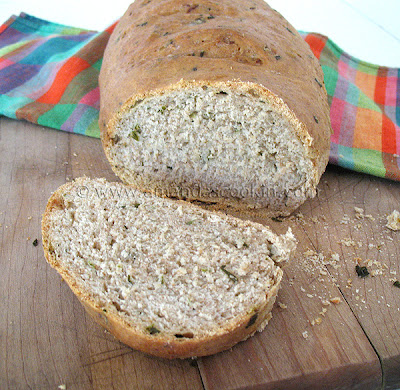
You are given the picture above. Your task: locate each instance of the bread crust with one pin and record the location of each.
(163, 45)
(163, 346)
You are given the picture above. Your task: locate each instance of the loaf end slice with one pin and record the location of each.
(163, 276)
(223, 103)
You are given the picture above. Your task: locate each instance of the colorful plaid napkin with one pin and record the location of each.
(49, 75)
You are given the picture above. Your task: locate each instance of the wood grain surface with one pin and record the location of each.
(353, 342)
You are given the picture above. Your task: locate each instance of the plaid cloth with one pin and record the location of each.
(49, 75)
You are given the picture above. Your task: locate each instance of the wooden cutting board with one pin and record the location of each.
(47, 340)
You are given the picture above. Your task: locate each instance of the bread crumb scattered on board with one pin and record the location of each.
(393, 221)
(335, 300)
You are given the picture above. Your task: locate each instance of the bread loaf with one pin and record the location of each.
(217, 101)
(163, 276)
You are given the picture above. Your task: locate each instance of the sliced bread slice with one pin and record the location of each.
(163, 276)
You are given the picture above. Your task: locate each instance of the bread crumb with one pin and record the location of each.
(345, 219)
(335, 300)
(359, 212)
(347, 242)
(305, 334)
(325, 302)
(318, 320)
(393, 221)
(310, 296)
(30, 217)
(62, 387)
(282, 305)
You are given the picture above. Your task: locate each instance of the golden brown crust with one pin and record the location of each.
(165, 44)
(157, 345)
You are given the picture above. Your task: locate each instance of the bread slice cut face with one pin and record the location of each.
(165, 277)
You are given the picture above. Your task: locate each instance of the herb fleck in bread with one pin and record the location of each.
(220, 101)
(165, 277)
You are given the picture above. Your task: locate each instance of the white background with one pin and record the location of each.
(367, 29)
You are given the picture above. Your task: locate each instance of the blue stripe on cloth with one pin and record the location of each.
(15, 75)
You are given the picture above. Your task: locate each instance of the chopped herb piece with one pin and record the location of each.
(252, 8)
(211, 17)
(162, 279)
(291, 32)
(316, 119)
(35, 242)
(202, 53)
(130, 279)
(137, 128)
(193, 114)
(252, 320)
(396, 284)
(222, 93)
(231, 276)
(141, 24)
(123, 206)
(245, 245)
(115, 139)
(137, 205)
(152, 329)
(105, 310)
(362, 272)
(318, 82)
(126, 227)
(188, 335)
(51, 248)
(277, 219)
(169, 167)
(91, 264)
(209, 115)
(194, 69)
(190, 222)
(278, 57)
(162, 109)
(134, 135)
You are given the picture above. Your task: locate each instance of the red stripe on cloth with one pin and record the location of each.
(4, 62)
(380, 86)
(316, 44)
(111, 28)
(64, 76)
(388, 135)
(3, 27)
